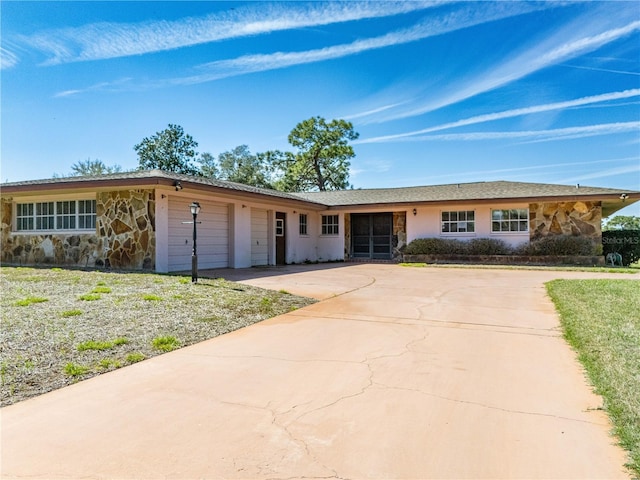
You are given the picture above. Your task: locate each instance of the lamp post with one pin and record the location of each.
(195, 210)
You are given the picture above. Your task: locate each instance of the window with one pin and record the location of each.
(303, 224)
(86, 214)
(66, 215)
(24, 216)
(329, 224)
(514, 220)
(458, 222)
(279, 227)
(63, 215)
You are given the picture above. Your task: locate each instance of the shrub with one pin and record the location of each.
(559, 245)
(488, 246)
(436, 246)
(624, 242)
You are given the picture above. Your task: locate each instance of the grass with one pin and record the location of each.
(89, 297)
(68, 337)
(75, 370)
(25, 302)
(135, 357)
(165, 344)
(101, 289)
(106, 345)
(151, 298)
(600, 321)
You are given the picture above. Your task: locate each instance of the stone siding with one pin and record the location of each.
(399, 234)
(565, 218)
(124, 236)
(126, 223)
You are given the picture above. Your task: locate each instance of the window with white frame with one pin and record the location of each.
(61, 215)
(512, 220)
(86, 214)
(329, 224)
(303, 224)
(458, 221)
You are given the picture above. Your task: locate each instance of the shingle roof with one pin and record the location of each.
(455, 192)
(499, 190)
(146, 175)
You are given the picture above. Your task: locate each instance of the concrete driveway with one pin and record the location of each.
(399, 372)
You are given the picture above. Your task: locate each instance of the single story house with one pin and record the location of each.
(138, 220)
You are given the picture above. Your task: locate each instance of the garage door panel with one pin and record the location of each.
(259, 237)
(212, 235)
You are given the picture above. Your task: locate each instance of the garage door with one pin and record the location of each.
(259, 237)
(212, 235)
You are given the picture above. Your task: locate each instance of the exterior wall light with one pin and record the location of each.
(415, 212)
(195, 210)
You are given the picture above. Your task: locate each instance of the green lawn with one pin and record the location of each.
(601, 321)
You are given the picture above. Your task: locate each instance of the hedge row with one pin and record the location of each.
(553, 245)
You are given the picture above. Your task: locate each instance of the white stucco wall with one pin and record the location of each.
(426, 223)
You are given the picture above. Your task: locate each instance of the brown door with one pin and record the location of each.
(281, 239)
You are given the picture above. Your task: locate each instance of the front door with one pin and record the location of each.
(371, 235)
(281, 238)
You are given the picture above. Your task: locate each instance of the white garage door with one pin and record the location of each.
(259, 237)
(212, 235)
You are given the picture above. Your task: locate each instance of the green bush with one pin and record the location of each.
(559, 245)
(436, 246)
(624, 242)
(488, 246)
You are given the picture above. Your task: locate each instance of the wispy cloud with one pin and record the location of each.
(465, 17)
(533, 172)
(100, 41)
(607, 97)
(611, 172)
(534, 135)
(8, 59)
(597, 69)
(582, 36)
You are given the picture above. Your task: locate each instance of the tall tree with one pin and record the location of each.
(622, 222)
(208, 165)
(241, 166)
(90, 167)
(170, 150)
(322, 158)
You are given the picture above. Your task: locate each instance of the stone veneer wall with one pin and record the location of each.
(124, 236)
(126, 223)
(399, 233)
(565, 218)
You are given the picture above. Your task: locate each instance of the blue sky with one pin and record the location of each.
(440, 92)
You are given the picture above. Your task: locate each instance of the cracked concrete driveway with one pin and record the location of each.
(399, 373)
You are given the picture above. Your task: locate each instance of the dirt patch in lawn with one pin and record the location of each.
(62, 326)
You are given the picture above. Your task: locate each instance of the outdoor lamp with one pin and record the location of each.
(195, 210)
